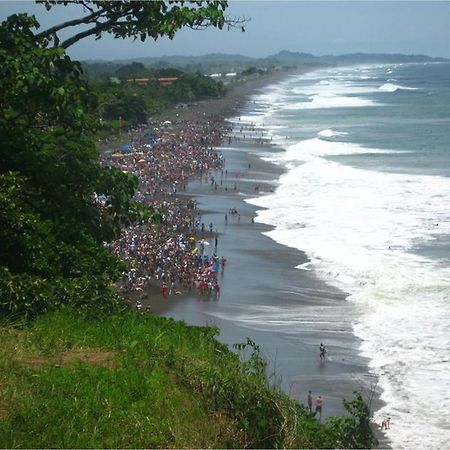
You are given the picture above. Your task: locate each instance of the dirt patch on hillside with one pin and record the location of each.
(93, 356)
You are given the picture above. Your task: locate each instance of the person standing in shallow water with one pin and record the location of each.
(386, 424)
(319, 404)
(323, 352)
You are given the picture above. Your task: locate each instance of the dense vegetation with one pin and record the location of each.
(78, 370)
(135, 380)
(121, 97)
(52, 228)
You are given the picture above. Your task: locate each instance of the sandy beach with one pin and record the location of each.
(259, 285)
(260, 293)
(287, 311)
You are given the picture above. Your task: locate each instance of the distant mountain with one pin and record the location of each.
(214, 62)
(351, 58)
(181, 60)
(220, 62)
(283, 57)
(287, 56)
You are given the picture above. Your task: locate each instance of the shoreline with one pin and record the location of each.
(288, 312)
(352, 371)
(262, 274)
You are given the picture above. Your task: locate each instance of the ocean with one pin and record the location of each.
(366, 196)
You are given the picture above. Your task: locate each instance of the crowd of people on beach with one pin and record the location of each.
(169, 251)
(176, 251)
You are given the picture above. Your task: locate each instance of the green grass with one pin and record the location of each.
(137, 380)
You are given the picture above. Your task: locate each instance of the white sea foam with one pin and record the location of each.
(390, 87)
(310, 149)
(335, 89)
(330, 93)
(331, 101)
(283, 318)
(329, 133)
(358, 228)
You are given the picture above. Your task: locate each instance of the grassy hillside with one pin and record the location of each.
(136, 380)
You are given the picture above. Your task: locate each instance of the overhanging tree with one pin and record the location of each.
(140, 19)
(53, 225)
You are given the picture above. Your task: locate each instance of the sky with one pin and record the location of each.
(317, 27)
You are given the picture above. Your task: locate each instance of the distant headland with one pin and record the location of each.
(222, 62)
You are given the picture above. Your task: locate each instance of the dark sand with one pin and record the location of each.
(287, 311)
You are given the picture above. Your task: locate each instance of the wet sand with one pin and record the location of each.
(288, 312)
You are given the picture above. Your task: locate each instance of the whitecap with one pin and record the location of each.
(359, 227)
(329, 133)
(390, 87)
(331, 101)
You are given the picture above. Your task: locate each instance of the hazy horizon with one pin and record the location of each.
(255, 57)
(319, 28)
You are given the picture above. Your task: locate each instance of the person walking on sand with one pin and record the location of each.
(319, 404)
(217, 290)
(310, 409)
(223, 261)
(164, 290)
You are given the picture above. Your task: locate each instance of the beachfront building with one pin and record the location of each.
(167, 81)
(138, 81)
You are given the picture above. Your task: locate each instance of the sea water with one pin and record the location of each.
(366, 195)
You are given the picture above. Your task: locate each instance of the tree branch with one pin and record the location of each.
(86, 5)
(99, 27)
(111, 23)
(230, 22)
(55, 40)
(70, 23)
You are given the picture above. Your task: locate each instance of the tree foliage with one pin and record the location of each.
(353, 430)
(58, 206)
(133, 102)
(140, 19)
